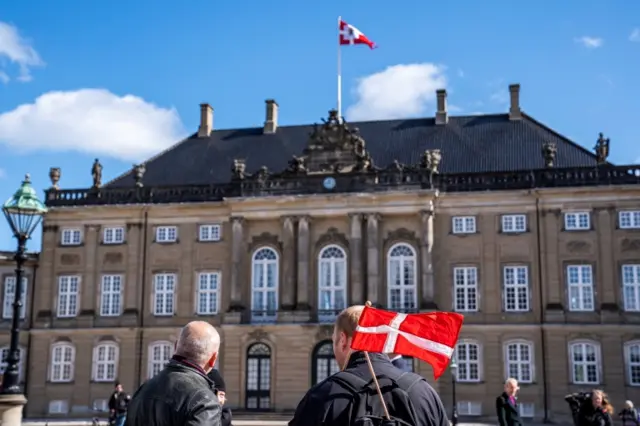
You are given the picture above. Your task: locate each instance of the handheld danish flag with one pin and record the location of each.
(351, 35)
(430, 337)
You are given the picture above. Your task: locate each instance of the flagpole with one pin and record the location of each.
(375, 378)
(339, 73)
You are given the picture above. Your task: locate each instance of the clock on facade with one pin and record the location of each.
(329, 183)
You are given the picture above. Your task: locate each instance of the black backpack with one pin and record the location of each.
(367, 409)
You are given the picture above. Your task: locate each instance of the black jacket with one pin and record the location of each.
(584, 413)
(328, 403)
(508, 414)
(180, 395)
(219, 385)
(118, 402)
(401, 363)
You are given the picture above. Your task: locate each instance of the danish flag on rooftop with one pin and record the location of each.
(351, 35)
(430, 337)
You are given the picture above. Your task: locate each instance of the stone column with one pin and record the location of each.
(355, 248)
(606, 285)
(237, 245)
(133, 276)
(287, 299)
(302, 302)
(91, 281)
(426, 260)
(373, 257)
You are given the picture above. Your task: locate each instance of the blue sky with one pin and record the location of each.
(122, 80)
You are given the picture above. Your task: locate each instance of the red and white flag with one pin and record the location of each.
(351, 35)
(431, 337)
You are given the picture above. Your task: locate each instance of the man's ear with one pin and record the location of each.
(212, 360)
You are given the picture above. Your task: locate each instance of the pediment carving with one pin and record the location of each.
(265, 239)
(325, 332)
(259, 335)
(69, 259)
(578, 247)
(402, 234)
(629, 244)
(112, 258)
(332, 236)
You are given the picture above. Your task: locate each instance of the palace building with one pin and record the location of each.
(268, 232)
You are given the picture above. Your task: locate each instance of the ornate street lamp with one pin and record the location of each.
(453, 365)
(23, 212)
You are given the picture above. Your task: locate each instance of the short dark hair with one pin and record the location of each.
(116, 385)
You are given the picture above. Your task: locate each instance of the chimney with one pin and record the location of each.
(206, 121)
(514, 110)
(441, 112)
(271, 120)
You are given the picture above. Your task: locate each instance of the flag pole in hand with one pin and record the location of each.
(375, 379)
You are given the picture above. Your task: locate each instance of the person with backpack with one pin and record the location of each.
(629, 415)
(350, 397)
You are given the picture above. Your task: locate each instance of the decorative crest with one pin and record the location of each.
(54, 174)
(297, 165)
(96, 174)
(602, 149)
(238, 169)
(138, 174)
(431, 160)
(549, 152)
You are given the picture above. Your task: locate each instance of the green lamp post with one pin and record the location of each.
(23, 212)
(453, 365)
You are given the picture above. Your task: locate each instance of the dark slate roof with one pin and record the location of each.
(478, 143)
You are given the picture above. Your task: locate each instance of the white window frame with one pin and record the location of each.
(582, 345)
(516, 288)
(630, 365)
(71, 237)
(204, 290)
(467, 288)
(396, 265)
(111, 300)
(264, 314)
(104, 376)
(113, 235)
(629, 219)
(68, 299)
(9, 291)
(164, 280)
(577, 216)
(4, 353)
(469, 408)
(101, 405)
(631, 287)
(210, 232)
(514, 223)
(166, 234)
(153, 364)
(527, 410)
(337, 282)
(464, 225)
(63, 346)
(582, 288)
(59, 406)
(519, 363)
(467, 343)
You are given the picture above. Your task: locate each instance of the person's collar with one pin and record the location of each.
(358, 357)
(184, 361)
(395, 358)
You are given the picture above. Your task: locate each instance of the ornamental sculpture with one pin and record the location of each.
(96, 174)
(138, 174)
(549, 152)
(602, 149)
(431, 160)
(55, 174)
(238, 169)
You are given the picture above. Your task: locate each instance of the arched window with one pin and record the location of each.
(63, 358)
(159, 355)
(264, 285)
(585, 362)
(258, 381)
(4, 354)
(402, 276)
(332, 282)
(323, 362)
(469, 358)
(632, 361)
(518, 360)
(105, 362)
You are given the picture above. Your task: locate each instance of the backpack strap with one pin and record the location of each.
(350, 381)
(407, 380)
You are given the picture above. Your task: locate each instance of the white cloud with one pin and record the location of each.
(500, 97)
(400, 91)
(4, 78)
(635, 35)
(589, 42)
(91, 121)
(18, 51)
(2, 173)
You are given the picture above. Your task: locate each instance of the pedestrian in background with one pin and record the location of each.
(507, 405)
(221, 392)
(629, 415)
(118, 406)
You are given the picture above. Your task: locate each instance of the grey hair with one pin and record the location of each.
(198, 342)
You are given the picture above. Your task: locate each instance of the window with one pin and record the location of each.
(580, 286)
(164, 287)
(469, 361)
(578, 221)
(632, 360)
(166, 234)
(209, 233)
(264, 285)
(208, 293)
(630, 287)
(101, 405)
(111, 295)
(629, 219)
(585, 363)
(113, 235)
(63, 357)
(514, 223)
(402, 271)
(4, 354)
(469, 408)
(105, 362)
(58, 407)
(258, 377)
(332, 282)
(71, 237)
(9, 296)
(160, 354)
(527, 410)
(68, 287)
(324, 362)
(464, 225)
(465, 287)
(516, 289)
(518, 358)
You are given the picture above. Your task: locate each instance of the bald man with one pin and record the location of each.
(182, 394)
(507, 405)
